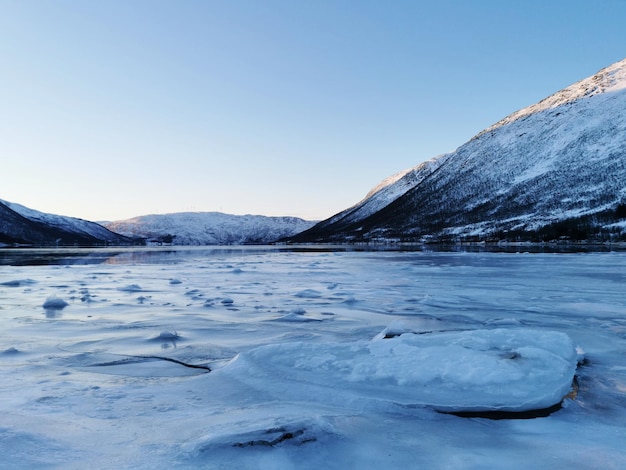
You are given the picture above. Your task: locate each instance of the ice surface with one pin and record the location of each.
(317, 359)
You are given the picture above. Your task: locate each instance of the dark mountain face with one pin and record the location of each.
(18, 229)
(554, 170)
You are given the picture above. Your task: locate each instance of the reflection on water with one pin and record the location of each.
(52, 313)
(124, 256)
(63, 256)
(175, 254)
(46, 257)
(121, 256)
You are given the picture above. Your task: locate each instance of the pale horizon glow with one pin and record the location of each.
(112, 110)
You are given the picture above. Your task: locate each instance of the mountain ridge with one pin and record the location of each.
(209, 228)
(553, 169)
(20, 225)
(608, 79)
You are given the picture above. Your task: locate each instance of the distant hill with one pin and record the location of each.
(209, 228)
(553, 170)
(20, 225)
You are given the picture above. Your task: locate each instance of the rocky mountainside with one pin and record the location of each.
(553, 170)
(20, 225)
(209, 228)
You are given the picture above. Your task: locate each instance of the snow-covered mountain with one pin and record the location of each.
(556, 169)
(209, 228)
(24, 226)
(387, 191)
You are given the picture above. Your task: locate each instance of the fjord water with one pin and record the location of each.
(101, 376)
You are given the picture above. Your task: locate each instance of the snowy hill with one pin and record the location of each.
(21, 225)
(553, 170)
(210, 228)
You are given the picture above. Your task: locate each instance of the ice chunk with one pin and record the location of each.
(309, 294)
(297, 317)
(395, 328)
(477, 370)
(131, 288)
(168, 336)
(55, 303)
(264, 433)
(17, 283)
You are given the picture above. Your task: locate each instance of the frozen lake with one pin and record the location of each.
(280, 358)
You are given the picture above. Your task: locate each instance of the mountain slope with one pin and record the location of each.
(21, 225)
(387, 191)
(210, 228)
(554, 169)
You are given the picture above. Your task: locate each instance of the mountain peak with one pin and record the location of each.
(609, 79)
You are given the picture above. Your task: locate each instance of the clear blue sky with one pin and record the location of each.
(117, 108)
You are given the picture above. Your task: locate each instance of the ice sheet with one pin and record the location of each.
(475, 370)
(316, 358)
